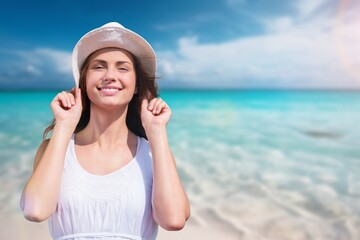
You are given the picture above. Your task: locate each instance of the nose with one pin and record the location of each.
(109, 76)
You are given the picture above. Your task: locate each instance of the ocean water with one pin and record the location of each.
(262, 164)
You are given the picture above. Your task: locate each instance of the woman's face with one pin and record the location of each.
(110, 78)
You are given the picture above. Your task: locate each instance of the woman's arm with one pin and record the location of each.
(171, 206)
(40, 195)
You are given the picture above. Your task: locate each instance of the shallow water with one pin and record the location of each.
(262, 164)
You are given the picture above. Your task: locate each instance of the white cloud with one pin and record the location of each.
(37, 68)
(61, 59)
(51, 59)
(312, 54)
(279, 24)
(307, 7)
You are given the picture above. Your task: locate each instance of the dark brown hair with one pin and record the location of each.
(146, 88)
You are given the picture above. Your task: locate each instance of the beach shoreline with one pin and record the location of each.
(295, 179)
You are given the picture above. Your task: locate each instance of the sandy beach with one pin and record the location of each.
(15, 227)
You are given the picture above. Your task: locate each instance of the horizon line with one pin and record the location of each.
(202, 89)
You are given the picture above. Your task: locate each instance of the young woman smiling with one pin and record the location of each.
(107, 172)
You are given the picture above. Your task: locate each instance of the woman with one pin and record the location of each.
(98, 176)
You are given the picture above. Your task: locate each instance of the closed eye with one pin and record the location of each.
(98, 67)
(123, 69)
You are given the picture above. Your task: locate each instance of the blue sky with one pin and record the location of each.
(200, 44)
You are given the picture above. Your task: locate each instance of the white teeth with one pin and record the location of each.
(109, 89)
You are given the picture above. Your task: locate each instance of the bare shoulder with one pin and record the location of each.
(40, 152)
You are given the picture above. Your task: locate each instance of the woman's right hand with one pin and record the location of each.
(67, 107)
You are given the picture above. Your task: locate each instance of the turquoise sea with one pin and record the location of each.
(262, 164)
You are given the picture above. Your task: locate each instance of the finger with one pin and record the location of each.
(153, 103)
(158, 105)
(73, 93)
(145, 104)
(70, 99)
(161, 107)
(78, 95)
(61, 98)
(66, 99)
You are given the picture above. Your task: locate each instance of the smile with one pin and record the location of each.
(109, 90)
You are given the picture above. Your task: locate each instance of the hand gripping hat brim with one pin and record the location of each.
(113, 35)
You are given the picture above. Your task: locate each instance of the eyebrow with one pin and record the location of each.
(105, 62)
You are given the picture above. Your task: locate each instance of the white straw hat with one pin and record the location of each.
(113, 34)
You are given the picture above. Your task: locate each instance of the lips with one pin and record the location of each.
(109, 90)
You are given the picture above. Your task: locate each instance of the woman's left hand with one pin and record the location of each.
(154, 113)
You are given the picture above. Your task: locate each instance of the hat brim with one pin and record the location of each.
(117, 37)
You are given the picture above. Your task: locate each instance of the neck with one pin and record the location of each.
(106, 127)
